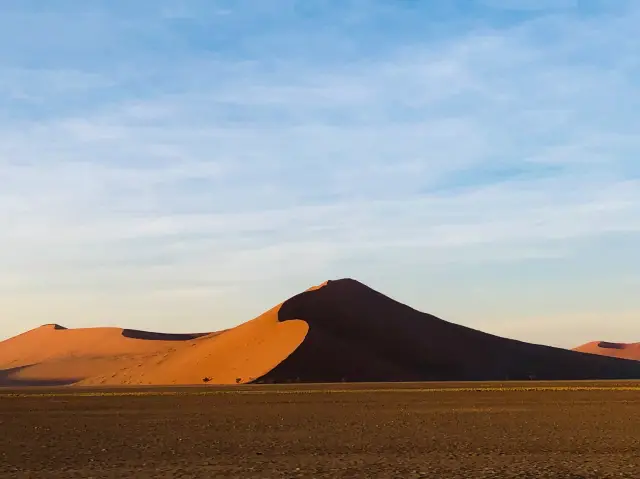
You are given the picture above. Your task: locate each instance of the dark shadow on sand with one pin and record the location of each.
(149, 336)
(7, 381)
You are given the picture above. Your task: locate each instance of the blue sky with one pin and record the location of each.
(185, 165)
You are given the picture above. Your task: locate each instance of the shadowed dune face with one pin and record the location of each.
(617, 350)
(53, 326)
(12, 378)
(149, 336)
(337, 331)
(358, 334)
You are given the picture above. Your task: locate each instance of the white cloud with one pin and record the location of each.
(498, 145)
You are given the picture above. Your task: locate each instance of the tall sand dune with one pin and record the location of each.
(616, 350)
(358, 334)
(337, 331)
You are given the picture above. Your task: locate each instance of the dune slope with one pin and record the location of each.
(616, 350)
(358, 334)
(54, 355)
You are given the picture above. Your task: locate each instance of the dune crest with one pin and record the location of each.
(52, 326)
(339, 330)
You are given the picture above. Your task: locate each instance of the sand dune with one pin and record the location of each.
(337, 331)
(616, 350)
(358, 334)
(54, 355)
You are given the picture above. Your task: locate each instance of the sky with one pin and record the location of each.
(185, 165)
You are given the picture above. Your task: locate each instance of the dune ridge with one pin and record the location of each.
(340, 330)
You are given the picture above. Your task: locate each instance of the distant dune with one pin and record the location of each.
(616, 350)
(337, 331)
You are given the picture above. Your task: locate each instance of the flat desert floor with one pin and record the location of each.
(462, 430)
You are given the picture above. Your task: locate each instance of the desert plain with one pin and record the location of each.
(409, 430)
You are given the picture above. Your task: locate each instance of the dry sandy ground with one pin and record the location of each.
(616, 350)
(401, 430)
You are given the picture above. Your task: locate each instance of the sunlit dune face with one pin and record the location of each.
(112, 356)
(239, 355)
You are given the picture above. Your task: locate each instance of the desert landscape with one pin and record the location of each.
(319, 239)
(383, 390)
(338, 331)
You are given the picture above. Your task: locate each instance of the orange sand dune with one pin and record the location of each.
(616, 350)
(339, 330)
(54, 355)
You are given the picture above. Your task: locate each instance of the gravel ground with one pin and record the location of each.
(294, 431)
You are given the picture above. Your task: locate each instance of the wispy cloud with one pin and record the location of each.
(170, 149)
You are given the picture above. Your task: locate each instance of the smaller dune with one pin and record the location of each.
(616, 350)
(55, 355)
